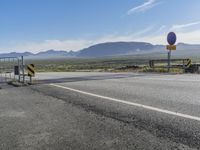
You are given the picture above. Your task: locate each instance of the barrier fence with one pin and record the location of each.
(175, 63)
(11, 68)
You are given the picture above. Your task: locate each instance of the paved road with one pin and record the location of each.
(102, 111)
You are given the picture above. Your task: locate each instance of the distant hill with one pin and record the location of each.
(111, 49)
(44, 54)
(184, 46)
(14, 54)
(116, 48)
(52, 52)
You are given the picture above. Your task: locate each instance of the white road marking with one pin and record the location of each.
(167, 79)
(131, 103)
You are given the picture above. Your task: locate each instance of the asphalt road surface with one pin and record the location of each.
(102, 111)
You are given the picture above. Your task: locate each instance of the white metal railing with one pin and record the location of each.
(8, 70)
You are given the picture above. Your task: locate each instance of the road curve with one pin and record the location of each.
(102, 111)
(166, 104)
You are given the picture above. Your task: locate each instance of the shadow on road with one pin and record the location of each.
(90, 78)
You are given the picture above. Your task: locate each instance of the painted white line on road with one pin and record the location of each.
(131, 103)
(167, 79)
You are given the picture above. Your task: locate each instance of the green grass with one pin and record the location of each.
(162, 70)
(103, 64)
(100, 64)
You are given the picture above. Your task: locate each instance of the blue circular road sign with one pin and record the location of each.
(171, 38)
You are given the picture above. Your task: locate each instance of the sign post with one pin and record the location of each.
(169, 60)
(31, 71)
(171, 39)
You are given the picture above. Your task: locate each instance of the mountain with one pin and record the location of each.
(116, 48)
(187, 50)
(184, 46)
(44, 54)
(52, 53)
(112, 49)
(14, 54)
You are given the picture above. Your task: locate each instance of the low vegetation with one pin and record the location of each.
(136, 63)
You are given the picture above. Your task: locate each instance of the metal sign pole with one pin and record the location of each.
(23, 69)
(30, 79)
(171, 39)
(169, 60)
(18, 61)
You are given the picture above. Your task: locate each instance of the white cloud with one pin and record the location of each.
(75, 44)
(144, 31)
(142, 8)
(52, 44)
(159, 37)
(183, 26)
(191, 37)
(145, 35)
(161, 29)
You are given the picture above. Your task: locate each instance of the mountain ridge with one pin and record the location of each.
(105, 49)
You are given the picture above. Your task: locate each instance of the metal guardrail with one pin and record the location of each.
(175, 63)
(14, 68)
(8, 66)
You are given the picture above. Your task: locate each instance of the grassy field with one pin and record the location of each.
(99, 64)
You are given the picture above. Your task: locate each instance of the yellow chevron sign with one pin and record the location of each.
(31, 70)
(171, 47)
(188, 62)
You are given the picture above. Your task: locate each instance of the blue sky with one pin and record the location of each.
(37, 25)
